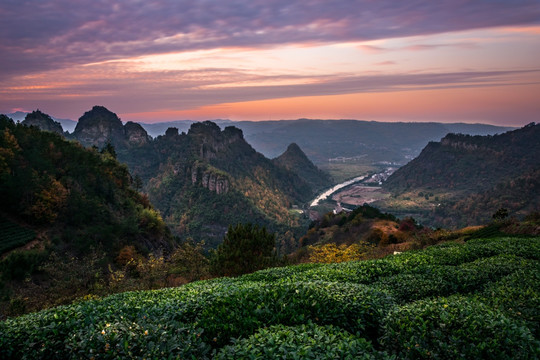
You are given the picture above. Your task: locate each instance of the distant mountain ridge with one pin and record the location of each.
(322, 140)
(325, 139)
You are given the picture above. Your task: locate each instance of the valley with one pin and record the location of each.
(262, 180)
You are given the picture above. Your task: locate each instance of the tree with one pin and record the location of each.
(109, 149)
(500, 214)
(246, 248)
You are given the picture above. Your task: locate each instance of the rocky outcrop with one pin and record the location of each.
(209, 179)
(135, 134)
(100, 126)
(42, 121)
(212, 140)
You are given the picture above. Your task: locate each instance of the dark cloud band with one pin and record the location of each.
(38, 35)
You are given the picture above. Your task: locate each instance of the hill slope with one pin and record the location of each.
(502, 170)
(294, 159)
(209, 178)
(475, 300)
(205, 179)
(65, 202)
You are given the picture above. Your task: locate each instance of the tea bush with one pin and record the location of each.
(308, 341)
(456, 328)
(517, 296)
(480, 299)
(240, 309)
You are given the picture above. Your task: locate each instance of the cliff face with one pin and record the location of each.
(42, 121)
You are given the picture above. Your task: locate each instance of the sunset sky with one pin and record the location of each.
(151, 61)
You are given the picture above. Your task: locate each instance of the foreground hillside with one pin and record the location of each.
(67, 207)
(480, 299)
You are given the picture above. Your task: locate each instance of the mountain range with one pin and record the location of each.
(322, 140)
(203, 180)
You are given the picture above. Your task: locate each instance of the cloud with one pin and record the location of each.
(146, 91)
(44, 35)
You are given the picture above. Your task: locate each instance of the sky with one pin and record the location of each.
(475, 61)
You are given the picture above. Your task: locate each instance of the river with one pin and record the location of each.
(330, 191)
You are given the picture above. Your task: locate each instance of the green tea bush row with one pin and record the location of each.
(517, 296)
(444, 280)
(456, 328)
(239, 310)
(12, 235)
(353, 305)
(307, 341)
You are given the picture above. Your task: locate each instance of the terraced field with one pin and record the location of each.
(13, 235)
(478, 300)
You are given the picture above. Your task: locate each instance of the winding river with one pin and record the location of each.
(330, 191)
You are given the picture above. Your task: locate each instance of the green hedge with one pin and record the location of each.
(393, 303)
(456, 328)
(308, 341)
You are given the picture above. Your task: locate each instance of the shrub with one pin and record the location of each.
(455, 328)
(518, 296)
(308, 341)
(239, 309)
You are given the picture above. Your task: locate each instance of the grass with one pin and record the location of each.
(341, 172)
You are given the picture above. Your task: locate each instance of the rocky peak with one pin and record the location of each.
(171, 132)
(295, 160)
(211, 139)
(135, 134)
(98, 127)
(42, 121)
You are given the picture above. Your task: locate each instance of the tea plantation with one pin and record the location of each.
(478, 300)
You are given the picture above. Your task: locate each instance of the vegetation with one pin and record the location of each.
(464, 179)
(80, 201)
(245, 249)
(460, 302)
(12, 235)
(294, 159)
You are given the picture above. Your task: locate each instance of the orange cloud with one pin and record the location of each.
(497, 105)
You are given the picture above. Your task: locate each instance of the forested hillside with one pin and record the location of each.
(210, 178)
(465, 179)
(206, 179)
(62, 200)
